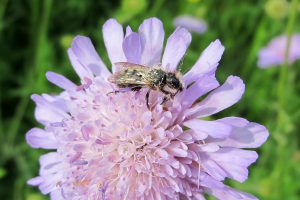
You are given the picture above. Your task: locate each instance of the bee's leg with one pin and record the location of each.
(115, 92)
(147, 99)
(166, 98)
(136, 88)
(122, 90)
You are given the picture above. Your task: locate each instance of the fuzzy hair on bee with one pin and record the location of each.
(135, 77)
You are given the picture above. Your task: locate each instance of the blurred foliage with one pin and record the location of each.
(35, 34)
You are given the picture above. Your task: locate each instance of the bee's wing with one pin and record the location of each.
(121, 65)
(131, 74)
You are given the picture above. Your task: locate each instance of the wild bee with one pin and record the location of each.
(135, 77)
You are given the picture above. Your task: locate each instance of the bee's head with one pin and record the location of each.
(173, 83)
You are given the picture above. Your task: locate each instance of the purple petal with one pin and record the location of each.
(209, 182)
(132, 47)
(199, 196)
(202, 86)
(213, 128)
(244, 134)
(113, 36)
(60, 81)
(208, 147)
(274, 53)
(228, 193)
(50, 163)
(35, 181)
(128, 31)
(213, 169)
(60, 101)
(219, 99)
(38, 138)
(190, 23)
(176, 47)
(267, 58)
(207, 63)
(79, 68)
(57, 195)
(50, 183)
(86, 55)
(177, 149)
(46, 112)
(234, 162)
(197, 135)
(152, 34)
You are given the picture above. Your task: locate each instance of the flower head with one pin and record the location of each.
(274, 53)
(114, 147)
(190, 23)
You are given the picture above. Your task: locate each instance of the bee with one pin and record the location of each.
(136, 77)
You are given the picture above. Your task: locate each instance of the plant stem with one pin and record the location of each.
(29, 79)
(260, 34)
(283, 76)
(3, 5)
(283, 157)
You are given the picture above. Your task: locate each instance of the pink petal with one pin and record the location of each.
(86, 131)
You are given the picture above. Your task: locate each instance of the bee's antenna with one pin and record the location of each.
(181, 63)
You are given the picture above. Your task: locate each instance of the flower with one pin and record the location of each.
(114, 147)
(274, 52)
(190, 23)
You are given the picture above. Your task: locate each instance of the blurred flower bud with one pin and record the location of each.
(65, 41)
(277, 9)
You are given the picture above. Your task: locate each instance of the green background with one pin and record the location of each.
(34, 37)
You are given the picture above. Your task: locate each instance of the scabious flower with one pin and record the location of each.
(191, 23)
(274, 53)
(114, 147)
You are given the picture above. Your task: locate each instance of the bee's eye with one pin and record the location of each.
(172, 81)
(175, 82)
